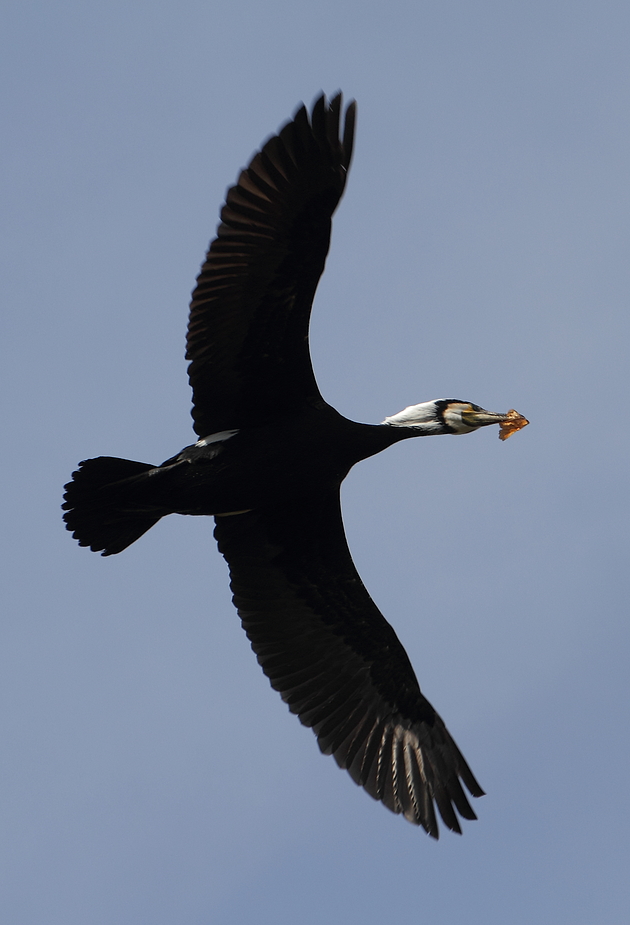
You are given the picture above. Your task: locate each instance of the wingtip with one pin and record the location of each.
(348, 132)
(326, 116)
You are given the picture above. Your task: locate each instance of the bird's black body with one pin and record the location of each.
(269, 464)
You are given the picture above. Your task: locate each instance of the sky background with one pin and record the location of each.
(148, 773)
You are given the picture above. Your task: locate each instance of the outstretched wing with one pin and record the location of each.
(337, 663)
(248, 329)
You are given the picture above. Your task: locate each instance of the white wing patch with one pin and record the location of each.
(216, 438)
(205, 449)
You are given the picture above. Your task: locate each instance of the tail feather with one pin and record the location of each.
(100, 508)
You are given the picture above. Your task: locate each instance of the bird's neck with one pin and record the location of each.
(370, 439)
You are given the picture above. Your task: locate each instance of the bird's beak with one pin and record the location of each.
(482, 418)
(510, 422)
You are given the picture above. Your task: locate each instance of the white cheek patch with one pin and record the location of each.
(453, 417)
(423, 414)
(216, 438)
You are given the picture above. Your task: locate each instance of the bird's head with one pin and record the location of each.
(452, 416)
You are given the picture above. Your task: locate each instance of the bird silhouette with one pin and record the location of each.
(268, 466)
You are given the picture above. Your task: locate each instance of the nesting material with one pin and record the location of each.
(513, 422)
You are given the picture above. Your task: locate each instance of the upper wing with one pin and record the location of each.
(248, 329)
(335, 660)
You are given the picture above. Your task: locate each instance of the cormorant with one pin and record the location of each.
(268, 465)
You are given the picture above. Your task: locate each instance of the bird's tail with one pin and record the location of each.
(104, 504)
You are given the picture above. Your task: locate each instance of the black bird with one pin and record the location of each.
(269, 465)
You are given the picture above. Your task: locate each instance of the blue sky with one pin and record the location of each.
(148, 773)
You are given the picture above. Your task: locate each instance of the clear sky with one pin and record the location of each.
(148, 773)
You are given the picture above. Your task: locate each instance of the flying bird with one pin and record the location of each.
(268, 465)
